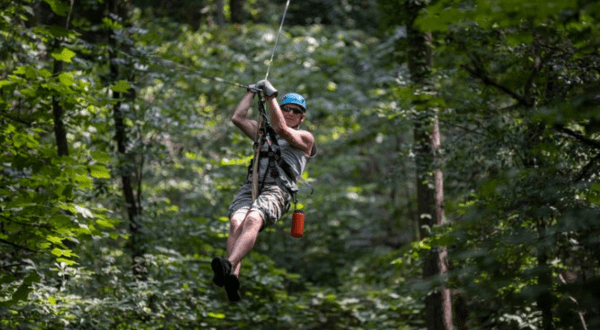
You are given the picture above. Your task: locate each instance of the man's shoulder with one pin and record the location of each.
(308, 135)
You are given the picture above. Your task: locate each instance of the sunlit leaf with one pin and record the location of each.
(64, 55)
(101, 156)
(121, 86)
(66, 79)
(58, 7)
(99, 171)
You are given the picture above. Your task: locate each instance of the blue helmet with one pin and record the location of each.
(294, 99)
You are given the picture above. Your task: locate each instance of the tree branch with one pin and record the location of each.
(26, 224)
(536, 68)
(17, 246)
(479, 73)
(466, 129)
(587, 141)
(18, 120)
(586, 169)
(581, 318)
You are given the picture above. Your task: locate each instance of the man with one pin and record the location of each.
(284, 155)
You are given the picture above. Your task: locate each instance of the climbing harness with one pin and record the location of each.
(258, 143)
(266, 134)
(263, 121)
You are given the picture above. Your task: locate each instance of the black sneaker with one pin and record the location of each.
(232, 287)
(221, 267)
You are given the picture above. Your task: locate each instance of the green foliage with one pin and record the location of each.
(516, 94)
(487, 14)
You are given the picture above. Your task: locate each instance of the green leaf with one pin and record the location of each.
(65, 55)
(43, 245)
(7, 279)
(28, 92)
(121, 86)
(83, 180)
(52, 300)
(54, 239)
(66, 261)
(66, 79)
(19, 139)
(9, 129)
(23, 291)
(44, 73)
(5, 83)
(20, 70)
(57, 252)
(58, 7)
(85, 212)
(105, 224)
(112, 24)
(423, 245)
(59, 32)
(30, 73)
(100, 172)
(101, 156)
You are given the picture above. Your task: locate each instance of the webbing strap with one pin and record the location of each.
(260, 137)
(274, 152)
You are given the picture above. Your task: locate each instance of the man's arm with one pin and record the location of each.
(300, 139)
(240, 117)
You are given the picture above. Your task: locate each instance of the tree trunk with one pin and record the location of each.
(126, 162)
(438, 304)
(545, 298)
(60, 133)
(219, 16)
(237, 11)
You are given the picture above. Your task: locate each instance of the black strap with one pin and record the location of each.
(273, 153)
(277, 153)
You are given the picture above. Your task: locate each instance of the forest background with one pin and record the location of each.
(456, 184)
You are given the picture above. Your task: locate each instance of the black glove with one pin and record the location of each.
(252, 88)
(267, 88)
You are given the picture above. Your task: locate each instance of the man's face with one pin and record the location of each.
(293, 114)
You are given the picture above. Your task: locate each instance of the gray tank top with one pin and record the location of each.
(293, 156)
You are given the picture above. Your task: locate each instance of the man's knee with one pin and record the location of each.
(236, 221)
(253, 221)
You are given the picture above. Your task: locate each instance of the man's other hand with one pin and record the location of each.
(267, 88)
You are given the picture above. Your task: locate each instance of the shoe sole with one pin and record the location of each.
(217, 268)
(232, 287)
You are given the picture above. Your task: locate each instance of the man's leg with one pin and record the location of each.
(235, 229)
(245, 240)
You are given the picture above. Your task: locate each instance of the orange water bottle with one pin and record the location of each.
(298, 223)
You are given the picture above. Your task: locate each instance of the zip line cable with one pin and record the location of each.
(168, 63)
(198, 73)
(277, 38)
(201, 75)
(263, 120)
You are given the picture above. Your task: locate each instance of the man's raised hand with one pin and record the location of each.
(252, 88)
(266, 87)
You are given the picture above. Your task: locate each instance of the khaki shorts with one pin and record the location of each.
(271, 204)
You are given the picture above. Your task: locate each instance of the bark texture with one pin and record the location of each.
(127, 162)
(430, 196)
(238, 13)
